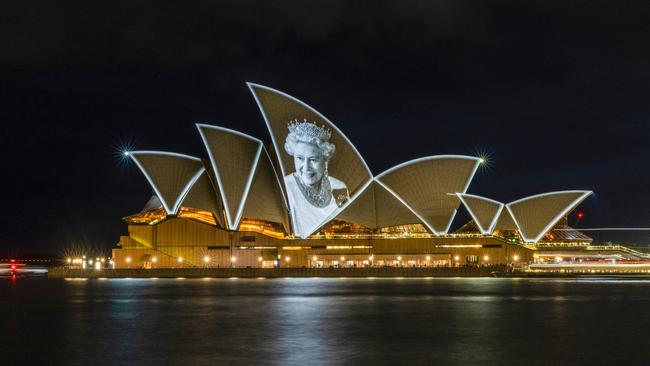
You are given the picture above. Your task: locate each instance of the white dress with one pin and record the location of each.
(306, 218)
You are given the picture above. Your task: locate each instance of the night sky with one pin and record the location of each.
(555, 93)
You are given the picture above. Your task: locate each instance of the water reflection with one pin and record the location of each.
(301, 321)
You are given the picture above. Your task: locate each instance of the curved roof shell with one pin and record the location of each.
(234, 157)
(505, 221)
(536, 215)
(171, 175)
(153, 204)
(376, 208)
(265, 200)
(346, 166)
(202, 196)
(484, 211)
(428, 187)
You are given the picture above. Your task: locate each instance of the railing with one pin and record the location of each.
(619, 248)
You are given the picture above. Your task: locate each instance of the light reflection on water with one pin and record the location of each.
(296, 321)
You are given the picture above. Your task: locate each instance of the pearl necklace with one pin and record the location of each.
(319, 198)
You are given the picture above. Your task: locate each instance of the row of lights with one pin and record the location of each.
(206, 259)
(83, 262)
(486, 258)
(153, 259)
(456, 258)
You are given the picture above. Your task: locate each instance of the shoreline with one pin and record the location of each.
(60, 272)
(381, 272)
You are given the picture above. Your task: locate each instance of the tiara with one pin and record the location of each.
(310, 129)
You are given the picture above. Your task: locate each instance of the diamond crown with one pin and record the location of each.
(309, 129)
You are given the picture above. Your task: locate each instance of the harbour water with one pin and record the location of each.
(319, 321)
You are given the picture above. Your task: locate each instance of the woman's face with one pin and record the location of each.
(310, 163)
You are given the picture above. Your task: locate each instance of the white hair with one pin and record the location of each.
(326, 148)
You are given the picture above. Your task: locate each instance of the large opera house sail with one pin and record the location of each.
(322, 171)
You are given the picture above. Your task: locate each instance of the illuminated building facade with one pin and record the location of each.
(310, 200)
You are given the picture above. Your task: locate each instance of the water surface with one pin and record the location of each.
(324, 321)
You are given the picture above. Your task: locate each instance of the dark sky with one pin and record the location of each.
(555, 92)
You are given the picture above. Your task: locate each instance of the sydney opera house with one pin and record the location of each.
(308, 199)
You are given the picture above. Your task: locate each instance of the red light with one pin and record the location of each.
(580, 215)
(13, 267)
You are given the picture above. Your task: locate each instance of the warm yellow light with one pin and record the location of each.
(259, 259)
(154, 259)
(206, 259)
(428, 257)
(90, 261)
(399, 258)
(103, 260)
(486, 258)
(69, 260)
(287, 259)
(233, 259)
(128, 259)
(515, 257)
(342, 258)
(456, 258)
(371, 257)
(315, 258)
(98, 265)
(180, 259)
